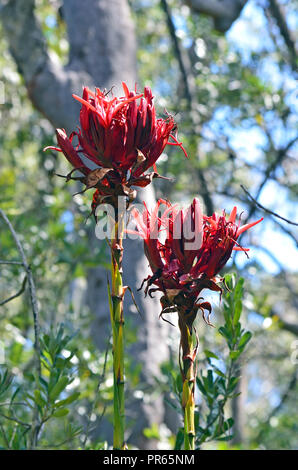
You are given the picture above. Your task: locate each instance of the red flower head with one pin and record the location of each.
(186, 250)
(121, 137)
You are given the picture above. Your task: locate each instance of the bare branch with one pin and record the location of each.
(277, 13)
(11, 262)
(32, 290)
(16, 420)
(14, 296)
(266, 209)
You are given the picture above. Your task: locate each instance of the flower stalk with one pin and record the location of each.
(188, 349)
(117, 321)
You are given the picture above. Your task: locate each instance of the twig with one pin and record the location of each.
(10, 418)
(14, 404)
(276, 11)
(11, 262)
(34, 305)
(31, 288)
(17, 294)
(265, 208)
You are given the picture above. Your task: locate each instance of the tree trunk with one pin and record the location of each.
(102, 53)
(238, 409)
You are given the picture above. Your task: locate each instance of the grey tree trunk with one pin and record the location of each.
(223, 12)
(238, 409)
(102, 53)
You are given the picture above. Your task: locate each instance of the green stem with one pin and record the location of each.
(188, 372)
(117, 320)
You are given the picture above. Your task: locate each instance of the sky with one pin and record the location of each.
(245, 36)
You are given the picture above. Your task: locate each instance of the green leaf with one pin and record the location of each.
(39, 400)
(68, 400)
(219, 372)
(244, 339)
(225, 333)
(210, 354)
(237, 311)
(61, 412)
(58, 388)
(234, 354)
(179, 439)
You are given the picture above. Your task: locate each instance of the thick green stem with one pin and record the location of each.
(188, 372)
(117, 320)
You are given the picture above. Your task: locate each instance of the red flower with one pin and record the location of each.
(193, 250)
(119, 135)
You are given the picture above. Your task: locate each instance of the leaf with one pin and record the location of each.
(210, 354)
(234, 354)
(39, 400)
(58, 388)
(179, 439)
(225, 333)
(244, 340)
(219, 372)
(68, 400)
(61, 412)
(237, 311)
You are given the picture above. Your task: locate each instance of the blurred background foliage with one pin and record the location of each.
(233, 97)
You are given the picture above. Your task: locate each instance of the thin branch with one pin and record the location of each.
(286, 230)
(279, 16)
(34, 306)
(266, 209)
(16, 420)
(17, 294)
(32, 290)
(11, 262)
(281, 154)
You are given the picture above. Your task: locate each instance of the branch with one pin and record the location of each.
(20, 292)
(277, 13)
(224, 12)
(32, 290)
(265, 209)
(12, 262)
(10, 418)
(34, 306)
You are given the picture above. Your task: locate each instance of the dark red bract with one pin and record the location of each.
(186, 250)
(120, 135)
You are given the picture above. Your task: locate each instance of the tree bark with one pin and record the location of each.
(223, 12)
(102, 53)
(238, 409)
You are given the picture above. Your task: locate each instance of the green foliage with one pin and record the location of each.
(217, 382)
